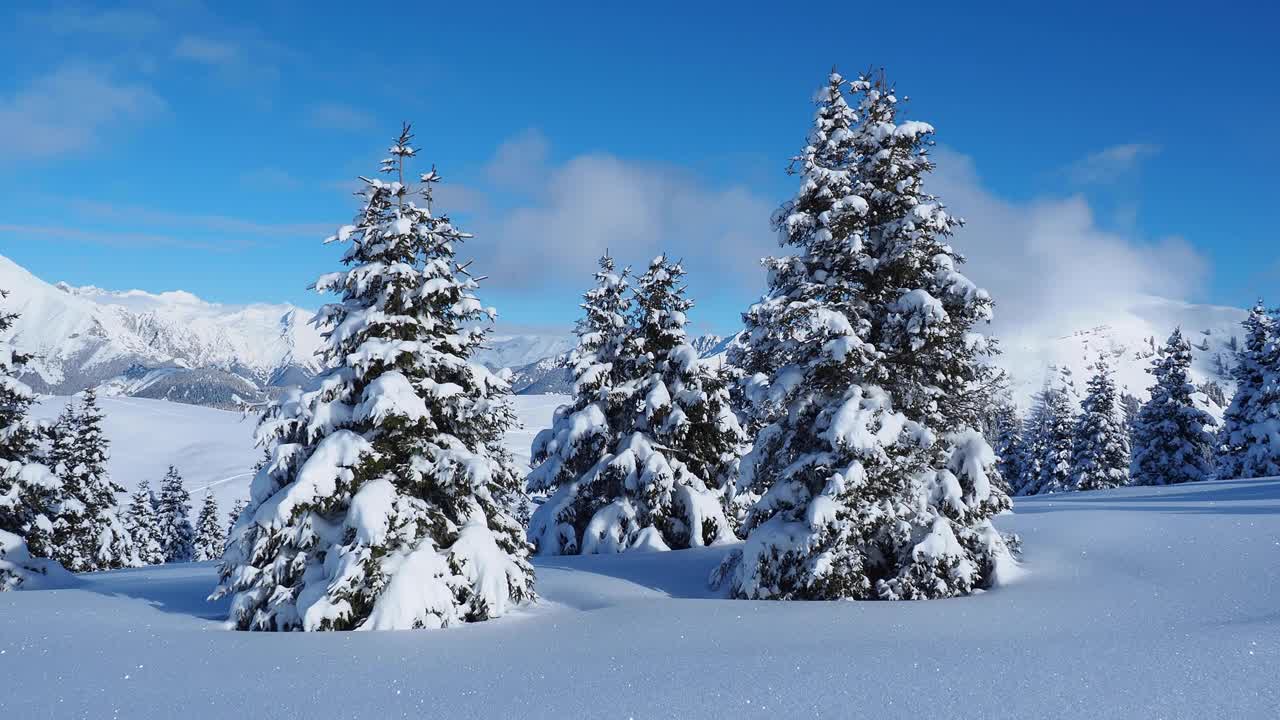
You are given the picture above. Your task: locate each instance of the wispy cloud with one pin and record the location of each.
(135, 215)
(336, 116)
(120, 239)
(67, 110)
(1110, 164)
(207, 50)
(73, 20)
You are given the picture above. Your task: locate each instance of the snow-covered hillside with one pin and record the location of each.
(1135, 603)
(1129, 342)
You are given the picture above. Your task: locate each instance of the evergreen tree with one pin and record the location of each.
(1249, 440)
(30, 494)
(1051, 432)
(143, 525)
(1004, 427)
(174, 510)
(233, 516)
(1034, 443)
(582, 432)
(210, 539)
(88, 534)
(866, 379)
(386, 500)
(1100, 454)
(677, 435)
(1171, 444)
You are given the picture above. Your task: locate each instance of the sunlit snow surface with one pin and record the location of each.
(1136, 603)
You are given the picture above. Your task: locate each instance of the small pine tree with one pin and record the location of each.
(1048, 438)
(1100, 455)
(675, 428)
(175, 518)
(1171, 444)
(1249, 441)
(88, 534)
(386, 500)
(1004, 427)
(143, 525)
(586, 430)
(30, 494)
(210, 540)
(233, 516)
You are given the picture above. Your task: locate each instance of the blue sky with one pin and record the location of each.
(210, 148)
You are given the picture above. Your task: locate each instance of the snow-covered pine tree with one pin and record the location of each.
(1249, 441)
(864, 372)
(210, 540)
(174, 510)
(1100, 449)
(1004, 427)
(1171, 444)
(233, 516)
(143, 524)
(385, 501)
(674, 426)
(1048, 436)
(88, 534)
(30, 494)
(586, 430)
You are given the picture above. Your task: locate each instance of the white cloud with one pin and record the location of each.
(336, 116)
(578, 209)
(1049, 265)
(1110, 164)
(520, 162)
(67, 110)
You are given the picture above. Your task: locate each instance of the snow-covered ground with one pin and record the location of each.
(1135, 603)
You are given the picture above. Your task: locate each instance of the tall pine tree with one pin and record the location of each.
(210, 539)
(174, 510)
(1249, 441)
(30, 494)
(1100, 451)
(865, 377)
(1170, 444)
(386, 501)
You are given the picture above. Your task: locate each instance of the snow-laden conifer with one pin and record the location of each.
(385, 500)
(1100, 449)
(174, 512)
(587, 429)
(30, 494)
(1048, 437)
(864, 375)
(1004, 427)
(143, 524)
(661, 481)
(88, 533)
(210, 540)
(233, 516)
(1249, 441)
(1170, 442)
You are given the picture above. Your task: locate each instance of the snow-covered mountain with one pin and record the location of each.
(170, 345)
(174, 345)
(1129, 341)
